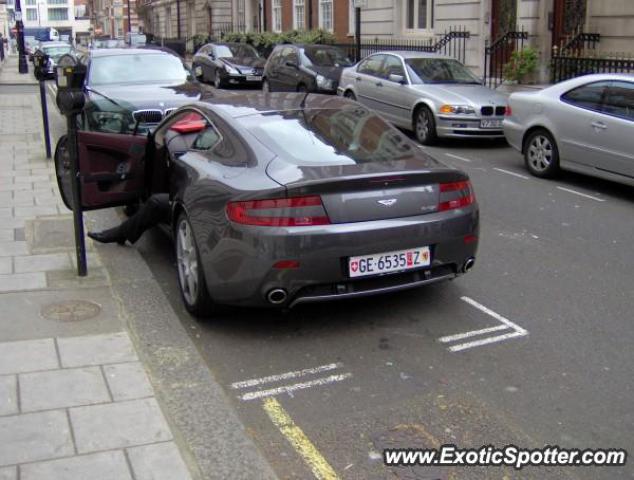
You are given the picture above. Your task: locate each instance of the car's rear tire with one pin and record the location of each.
(541, 154)
(350, 94)
(191, 278)
(425, 126)
(266, 86)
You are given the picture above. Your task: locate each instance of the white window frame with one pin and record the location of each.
(332, 15)
(351, 19)
(299, 14)
(276, 15)
(416, 29)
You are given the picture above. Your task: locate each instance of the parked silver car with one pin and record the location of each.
(433, 95)
(585, 124)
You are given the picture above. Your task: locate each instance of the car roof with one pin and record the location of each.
(265, 103)
(413, 54)
(147, 50)
(55, 44)
(307, 45)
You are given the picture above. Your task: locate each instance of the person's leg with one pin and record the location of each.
(151, 213)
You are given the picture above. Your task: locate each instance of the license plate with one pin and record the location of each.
(254, 78)
(389, 262)
(490, 123)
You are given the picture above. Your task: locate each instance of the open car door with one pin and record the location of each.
(111, 169)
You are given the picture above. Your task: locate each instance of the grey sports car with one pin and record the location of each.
(584, 124)
(433, 95)
(284, 198)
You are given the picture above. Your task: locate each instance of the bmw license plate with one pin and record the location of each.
(389, 262)
(490, 123)
(254, 78)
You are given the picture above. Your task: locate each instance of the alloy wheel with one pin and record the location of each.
(187, 261)
(217, 82)
(422, 125)
(540, 153)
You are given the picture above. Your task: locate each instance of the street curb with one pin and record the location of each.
(216, 443)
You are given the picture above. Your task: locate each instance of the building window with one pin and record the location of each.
(57, 2)
(30, 2)
(299, 15)
(419, 15)
(58, 13)
(277, 16)
(31, 14)
(325, 15)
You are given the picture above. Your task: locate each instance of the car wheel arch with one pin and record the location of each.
(422, 104)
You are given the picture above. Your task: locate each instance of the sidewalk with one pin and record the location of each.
(10, 74)
(75, 401)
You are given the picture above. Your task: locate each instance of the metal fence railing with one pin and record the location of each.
(498, 54)
(565, 65)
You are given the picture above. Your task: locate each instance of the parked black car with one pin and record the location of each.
(228, 64)
(304, 68)
(54, 50)
(134, 88)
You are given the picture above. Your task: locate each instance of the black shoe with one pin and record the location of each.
(108, 236)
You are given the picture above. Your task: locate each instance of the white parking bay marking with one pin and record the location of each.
(508, 172)
(585, 195)
(284, 376)
(451, 155)
(295, 374)
(514, 330)
(297, 386)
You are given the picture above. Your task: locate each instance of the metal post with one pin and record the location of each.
(78, 214)
(129, 25)
(178, 19)
(19, 33)
(310, 15)
(357, 31)
(47, 137)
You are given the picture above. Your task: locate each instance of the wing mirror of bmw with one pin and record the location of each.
(397, 78)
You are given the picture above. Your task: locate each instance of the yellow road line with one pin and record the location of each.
(300, 442)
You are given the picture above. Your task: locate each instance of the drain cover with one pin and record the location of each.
(71, 311)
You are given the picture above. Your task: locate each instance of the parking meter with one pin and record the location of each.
(69, 76)
(40, 62)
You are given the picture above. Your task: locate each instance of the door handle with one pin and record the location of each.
(358, 79)
(600, 125)
(379, 84)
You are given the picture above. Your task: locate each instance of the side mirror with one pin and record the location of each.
(396, 78)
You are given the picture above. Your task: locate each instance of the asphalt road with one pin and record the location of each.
(552, 287)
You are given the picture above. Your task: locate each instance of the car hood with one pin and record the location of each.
(149, 96)
(475, 95)
(246, 63)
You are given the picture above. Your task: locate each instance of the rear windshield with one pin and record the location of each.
(153, 69)
(348, 135)
(326, 57)
(56, 51)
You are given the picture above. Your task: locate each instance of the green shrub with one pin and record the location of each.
(264, 42)
(522, 64)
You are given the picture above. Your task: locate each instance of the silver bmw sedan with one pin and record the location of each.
(584, 124)
(433, 95)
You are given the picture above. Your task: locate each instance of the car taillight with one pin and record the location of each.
(508, 112)
(455, 195)
(282, 212)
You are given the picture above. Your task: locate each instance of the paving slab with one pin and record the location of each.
(27, 356)
(98, 466)
(17, 282)
(118, 425)
(160, 461)
(62, 388)
(34, 436)
(28, 310)
(42, 263)
(96, 350)
(8, 396)
(6, 264)
(128, 381)
(9, 473)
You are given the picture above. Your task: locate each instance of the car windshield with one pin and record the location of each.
(150, 68)
(326, 57)
(439, 70)
(344, 136)
(243, 51)
(57, 51)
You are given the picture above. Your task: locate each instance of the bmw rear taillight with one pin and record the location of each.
(281, 212)
(508, 112)
(455, 195)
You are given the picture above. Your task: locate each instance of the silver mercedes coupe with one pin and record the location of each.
(433, 95)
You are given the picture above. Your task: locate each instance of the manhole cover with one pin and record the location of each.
(71, 311)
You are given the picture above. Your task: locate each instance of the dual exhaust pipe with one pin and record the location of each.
(277, 296)
(468, 264)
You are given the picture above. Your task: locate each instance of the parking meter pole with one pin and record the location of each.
(47, 137)
(78, 214)
(357, 32)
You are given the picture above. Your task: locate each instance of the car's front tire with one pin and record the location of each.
(191, 278)
(218, 83)
(425, 126)
(350, 95)
(541, 154)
